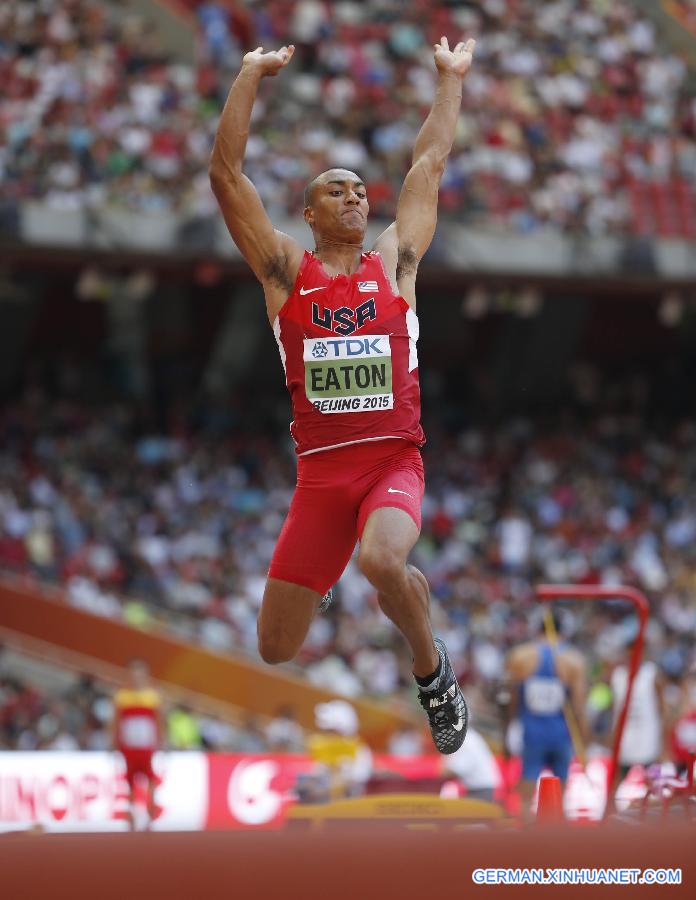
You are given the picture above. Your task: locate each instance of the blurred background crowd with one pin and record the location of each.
(177, 530)
(50, 709)
(574, 116)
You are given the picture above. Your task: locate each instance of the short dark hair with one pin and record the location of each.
(309, 190)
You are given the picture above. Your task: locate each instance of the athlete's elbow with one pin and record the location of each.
(215, 174)
(438, 166)
(219, 180)
(221, 175)
(433, 161)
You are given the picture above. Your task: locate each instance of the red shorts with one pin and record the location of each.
(336, 492)
(138, 762)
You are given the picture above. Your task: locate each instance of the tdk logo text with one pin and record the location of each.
(344, 320)
(323, 350)
(340, 349)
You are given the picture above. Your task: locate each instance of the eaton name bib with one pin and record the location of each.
(349, 374)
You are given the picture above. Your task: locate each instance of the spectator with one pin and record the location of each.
(95, 114)
(343, 762)
(183, 732)
(283, 733)
(184, 527)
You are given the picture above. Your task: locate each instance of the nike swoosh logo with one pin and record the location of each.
(394, 491)
(458, 725)
(304, 290)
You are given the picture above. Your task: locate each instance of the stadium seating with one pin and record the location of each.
(95, 114)
(141, 527)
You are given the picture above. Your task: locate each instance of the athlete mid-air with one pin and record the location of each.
(346, 327)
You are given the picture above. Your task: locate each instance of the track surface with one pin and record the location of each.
(389, 863)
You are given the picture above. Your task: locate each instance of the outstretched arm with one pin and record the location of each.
(267, 250)
(578, 698)
(416, 213)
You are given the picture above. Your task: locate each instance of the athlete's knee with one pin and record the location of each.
(274, 648)
(383, 568)
(273, 655)
(273, 651)
(419, 578)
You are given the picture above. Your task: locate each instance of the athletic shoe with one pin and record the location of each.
(446, 707)
(326, 601)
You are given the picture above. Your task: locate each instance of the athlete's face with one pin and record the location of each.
(339, 206)
(139, 673)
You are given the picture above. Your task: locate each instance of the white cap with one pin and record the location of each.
(336, 715)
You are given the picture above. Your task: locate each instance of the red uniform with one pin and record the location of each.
(348, 347)
(137, 730)
(683, 738)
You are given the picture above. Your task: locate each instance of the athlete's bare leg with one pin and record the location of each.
(387, 539)
(151, 803)
(130, 811)
(286, 614)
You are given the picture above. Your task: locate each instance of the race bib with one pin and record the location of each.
(544, 696)
(138, 732)
(349, 374)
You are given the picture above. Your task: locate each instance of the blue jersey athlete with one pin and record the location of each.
(544, 679)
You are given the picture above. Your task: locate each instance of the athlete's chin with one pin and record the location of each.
(351, 226)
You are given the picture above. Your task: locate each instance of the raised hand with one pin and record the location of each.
(268, 63)
(456, 61)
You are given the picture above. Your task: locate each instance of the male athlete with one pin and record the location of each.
(346, 329)
(137, 733)
(546, 677)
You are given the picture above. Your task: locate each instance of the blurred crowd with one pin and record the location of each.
(71, 712)
(574, 116)
(32, 719)
(79, 716)
(177, 530)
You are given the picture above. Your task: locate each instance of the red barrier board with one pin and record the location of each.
(214, 791)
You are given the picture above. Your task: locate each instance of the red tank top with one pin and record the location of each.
(137, 725)
(348, 347)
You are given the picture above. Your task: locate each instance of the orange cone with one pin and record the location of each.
(550, 802)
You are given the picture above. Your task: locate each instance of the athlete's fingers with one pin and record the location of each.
(258, 50)
(444, 42)
(465, 47)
